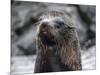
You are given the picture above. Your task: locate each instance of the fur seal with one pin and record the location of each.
(58, 47)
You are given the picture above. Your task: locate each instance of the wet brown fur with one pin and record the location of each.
(65, 54)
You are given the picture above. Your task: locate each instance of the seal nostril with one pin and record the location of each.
(44, 28)
(44, 25)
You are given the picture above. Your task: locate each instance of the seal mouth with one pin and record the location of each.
(47, 38)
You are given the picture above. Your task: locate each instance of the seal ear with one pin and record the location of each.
(71, 26)
(69, 21)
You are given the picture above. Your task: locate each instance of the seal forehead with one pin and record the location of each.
(54, 16)
(52, 19)
(51, 14)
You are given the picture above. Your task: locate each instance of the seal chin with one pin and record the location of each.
(47, 38)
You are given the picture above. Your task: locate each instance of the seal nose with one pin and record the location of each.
(44, 27)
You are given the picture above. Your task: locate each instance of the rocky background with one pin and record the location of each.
(24, 15)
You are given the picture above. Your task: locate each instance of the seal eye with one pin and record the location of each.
(59, 24)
